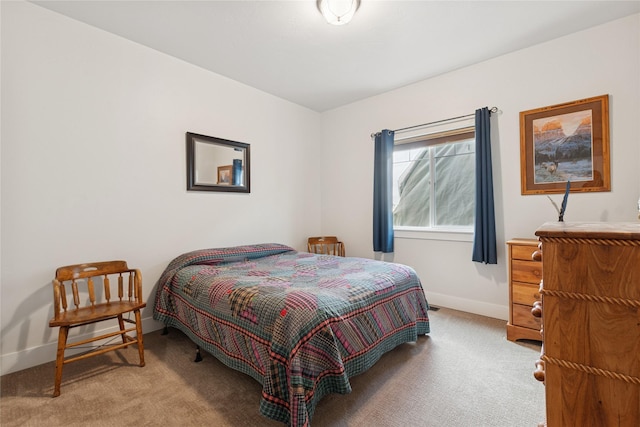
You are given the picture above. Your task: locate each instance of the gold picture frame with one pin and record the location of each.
(566, 142)
(225, 175)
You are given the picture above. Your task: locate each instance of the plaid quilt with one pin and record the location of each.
(301, 324)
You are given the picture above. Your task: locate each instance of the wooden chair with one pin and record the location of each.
(95, 303)
(328, 245)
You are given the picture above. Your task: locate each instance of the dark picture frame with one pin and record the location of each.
(566, 142)
(217, 164)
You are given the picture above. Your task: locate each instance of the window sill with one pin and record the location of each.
(452, 234)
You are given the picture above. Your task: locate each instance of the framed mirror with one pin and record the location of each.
(216, 164)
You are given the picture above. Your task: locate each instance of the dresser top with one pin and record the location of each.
(591, 230)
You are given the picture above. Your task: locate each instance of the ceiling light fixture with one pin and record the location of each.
(338, 12)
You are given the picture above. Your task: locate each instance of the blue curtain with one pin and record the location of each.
(383, 193)
(484, 238)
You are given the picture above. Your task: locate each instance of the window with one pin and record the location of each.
(434, 181)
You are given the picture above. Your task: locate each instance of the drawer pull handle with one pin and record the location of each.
(536, 256)
(536, 311)
(539, 372)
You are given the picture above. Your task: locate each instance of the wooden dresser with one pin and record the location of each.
(525, 275)
(590, 359)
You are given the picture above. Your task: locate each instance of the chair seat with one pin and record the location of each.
(96, 313)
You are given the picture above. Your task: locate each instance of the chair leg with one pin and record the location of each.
(62, 344)
(121, 323)
(139, 337)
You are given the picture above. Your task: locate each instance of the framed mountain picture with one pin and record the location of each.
(566, 142)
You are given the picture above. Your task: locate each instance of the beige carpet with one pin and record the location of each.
(465, 373)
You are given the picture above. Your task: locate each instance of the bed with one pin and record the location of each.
(299, 323)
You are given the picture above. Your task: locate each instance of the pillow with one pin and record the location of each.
(218, 256)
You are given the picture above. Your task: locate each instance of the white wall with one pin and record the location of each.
(601, 60)
(93, 165)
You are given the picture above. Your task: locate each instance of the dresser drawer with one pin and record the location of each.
(522, 317)
(525, 293)
(526, 271)
(523, 252)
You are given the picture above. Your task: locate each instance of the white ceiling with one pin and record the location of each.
(285, 48)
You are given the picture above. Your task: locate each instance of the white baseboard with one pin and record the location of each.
(45, 353)
(470, 306)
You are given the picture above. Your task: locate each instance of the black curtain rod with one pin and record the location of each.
(491, 110)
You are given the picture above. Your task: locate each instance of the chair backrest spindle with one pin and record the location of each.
(76, 296)
(92, 292)
(107, 288)
(62, 291)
